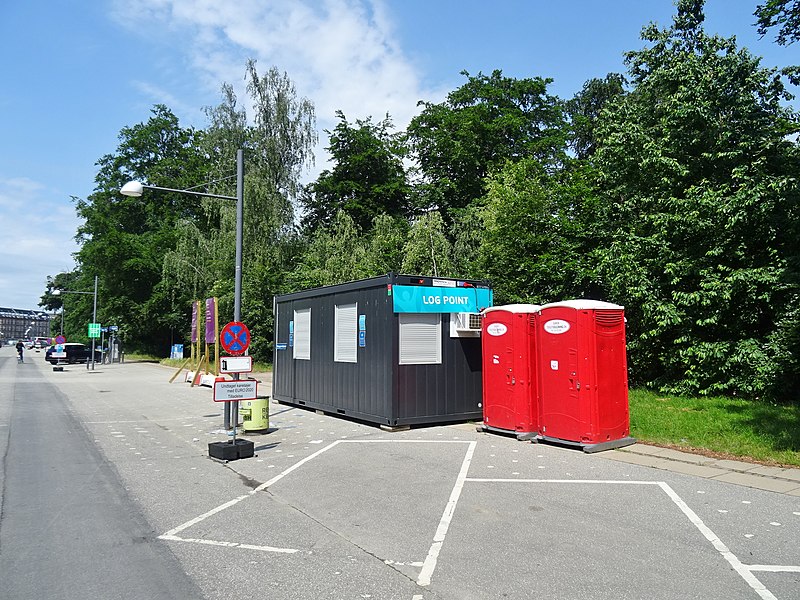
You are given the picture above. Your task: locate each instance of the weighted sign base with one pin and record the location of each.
(231, 450)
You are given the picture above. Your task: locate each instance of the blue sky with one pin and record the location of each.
(75, 72)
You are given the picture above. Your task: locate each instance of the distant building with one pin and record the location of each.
(20, 324)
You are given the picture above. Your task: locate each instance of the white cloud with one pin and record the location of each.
(341, 54)
(37, 240)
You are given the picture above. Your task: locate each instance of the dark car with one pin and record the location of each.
(73, 353)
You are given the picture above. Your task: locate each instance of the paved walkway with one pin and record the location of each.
(773, 479)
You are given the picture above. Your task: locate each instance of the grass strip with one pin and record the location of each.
(729, 427)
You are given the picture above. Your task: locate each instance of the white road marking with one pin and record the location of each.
(737, 565)
(174, 538)
(447, 516)
(773, 568)
(429, 565)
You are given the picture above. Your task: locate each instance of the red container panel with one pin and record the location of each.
(509, 374)
(583, 372)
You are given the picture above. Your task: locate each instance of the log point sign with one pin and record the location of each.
(235, 338)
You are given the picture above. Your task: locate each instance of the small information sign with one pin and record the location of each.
(94, 330)
(235, 364)
(236, 390)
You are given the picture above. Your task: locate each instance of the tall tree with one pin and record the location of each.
(335, 254)
(366, 180)
(277, 143)
(428, 250)
(585, 108)
(538, 234)
(481, 125)
(123, 240)
(698, 171)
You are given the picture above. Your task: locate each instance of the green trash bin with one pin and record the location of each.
(254, 414)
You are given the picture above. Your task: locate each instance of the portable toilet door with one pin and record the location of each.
(583, 374)
(509, 374)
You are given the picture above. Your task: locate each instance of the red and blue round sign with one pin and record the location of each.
(235, 338)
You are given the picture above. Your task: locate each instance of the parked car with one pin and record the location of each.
(73, 353)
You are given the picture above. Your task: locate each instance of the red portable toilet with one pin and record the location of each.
(509, 370)
(583, 375)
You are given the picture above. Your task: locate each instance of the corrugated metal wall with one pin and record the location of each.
(362, 389)
(376, 388)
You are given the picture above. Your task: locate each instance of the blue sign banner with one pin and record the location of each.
(421, 299)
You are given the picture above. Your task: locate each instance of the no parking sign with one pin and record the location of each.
(235, 338)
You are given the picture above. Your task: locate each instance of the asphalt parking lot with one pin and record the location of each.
(331, 508)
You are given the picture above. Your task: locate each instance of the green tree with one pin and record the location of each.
(428, 251)
(784, 14)
(123, 239)
(698, 173)
(385, 243)
(584, 111)
(366, 180)
(538, 234)
(481, 125)
(277, 144)
(336, 254)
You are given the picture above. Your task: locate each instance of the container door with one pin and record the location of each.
(499, 378)
(559, 375)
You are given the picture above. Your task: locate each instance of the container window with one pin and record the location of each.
(345, 333)
(302, 334)
(420, 338)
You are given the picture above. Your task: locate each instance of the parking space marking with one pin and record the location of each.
(744, 571)
(172, 534)
(737, 565)
(175, 538)
(429, 564)
(773, 568)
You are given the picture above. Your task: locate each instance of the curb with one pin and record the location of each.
(773, 479)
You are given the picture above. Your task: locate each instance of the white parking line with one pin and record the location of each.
(744, 571)
(174, 538)
(429, 565)
(737, 565)
(447, 516)
(773, 568)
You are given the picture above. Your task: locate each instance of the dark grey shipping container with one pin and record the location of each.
(393, 350)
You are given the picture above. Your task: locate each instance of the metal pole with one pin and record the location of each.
(94, 317)
(231, 409)
(237, 300)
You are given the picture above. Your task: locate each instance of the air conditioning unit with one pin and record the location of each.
(464, 324)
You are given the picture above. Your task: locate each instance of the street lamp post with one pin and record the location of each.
(57, 292)
(136, 188)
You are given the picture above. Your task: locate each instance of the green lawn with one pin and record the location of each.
(731, 427)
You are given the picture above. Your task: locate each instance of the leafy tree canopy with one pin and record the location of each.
(783, 14)
(367, 179)
(481, 125)
(695, 166)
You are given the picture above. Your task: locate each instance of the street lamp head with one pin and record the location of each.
(56, 292)
(132, 188)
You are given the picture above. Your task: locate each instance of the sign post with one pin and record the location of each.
(235, 340)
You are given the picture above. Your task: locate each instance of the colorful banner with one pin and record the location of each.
(195, 306)
(423, 299)
(211, 313)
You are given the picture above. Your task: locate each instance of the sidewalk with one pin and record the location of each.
(773, 479)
